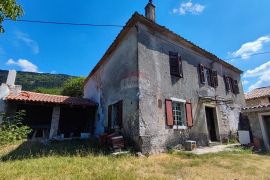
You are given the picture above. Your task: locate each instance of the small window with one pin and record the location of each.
(115, 112)
(179, 114)
(269, 99)
(176, 69)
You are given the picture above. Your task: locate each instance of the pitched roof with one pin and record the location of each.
(32, 97)
(261, 106)
(163, 30)
(257, 93)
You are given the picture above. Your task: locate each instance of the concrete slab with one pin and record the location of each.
(214, 149)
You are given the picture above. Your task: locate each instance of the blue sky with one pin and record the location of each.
(227, 28)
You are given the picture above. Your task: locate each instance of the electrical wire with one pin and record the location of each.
(108, 25)
(66, 23)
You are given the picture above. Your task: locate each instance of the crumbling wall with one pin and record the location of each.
(115, 80)
(158, 85)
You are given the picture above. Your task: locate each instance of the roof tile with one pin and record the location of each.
(27, 96)
(257, 93)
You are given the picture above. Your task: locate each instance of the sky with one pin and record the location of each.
(230, 29)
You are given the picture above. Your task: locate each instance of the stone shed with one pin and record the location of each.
(257, 113)
(50, 116)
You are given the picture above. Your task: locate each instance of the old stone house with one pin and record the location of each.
(257, 114)
(161, 89)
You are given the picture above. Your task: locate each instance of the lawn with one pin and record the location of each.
(80, 160)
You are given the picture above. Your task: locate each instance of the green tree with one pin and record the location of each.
(54, 91)
(9, 9)
(73, 87)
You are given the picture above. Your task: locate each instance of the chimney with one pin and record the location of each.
(150, 11)
(11, 77)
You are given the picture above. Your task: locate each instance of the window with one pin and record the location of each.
(178, 109)
(115, 112)
(176, 69)
(179, 113)
(231, 85)
(208, 76)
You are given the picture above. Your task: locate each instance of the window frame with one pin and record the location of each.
(176, 65)
(184, 121)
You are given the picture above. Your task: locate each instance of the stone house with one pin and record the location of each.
(160, 89)
(257, 114)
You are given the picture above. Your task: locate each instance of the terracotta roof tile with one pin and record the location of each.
(257, 107)
(257, 93)
(27, 96)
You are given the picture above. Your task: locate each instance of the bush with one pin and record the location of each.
(12, 129)
(73, 87)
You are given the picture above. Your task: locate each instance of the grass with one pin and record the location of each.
(83, 160)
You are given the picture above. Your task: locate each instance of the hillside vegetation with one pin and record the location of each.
(38, 82)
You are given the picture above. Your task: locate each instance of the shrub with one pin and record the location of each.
(73, 87)
(12, 129)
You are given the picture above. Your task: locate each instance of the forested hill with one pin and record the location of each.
(32, 81)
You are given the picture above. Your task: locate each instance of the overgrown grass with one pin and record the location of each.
(84, 160)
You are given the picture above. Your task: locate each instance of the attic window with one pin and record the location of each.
(176, 69)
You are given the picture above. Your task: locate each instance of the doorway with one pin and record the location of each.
(267, 127)
(212, 125)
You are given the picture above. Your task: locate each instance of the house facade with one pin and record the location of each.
(257, 113)
(160, 89)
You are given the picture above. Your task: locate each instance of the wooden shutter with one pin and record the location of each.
(109, 117)
(180, 67)
(120, 114)
(235, 87)
(169, 112)
(214, 79)
(201, 72)
(175, 65)
(227, 83)
(189, 114)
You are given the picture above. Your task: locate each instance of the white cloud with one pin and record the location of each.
(258, 71)
(262, 73)
(24, 64)
(28, 41)
(251, 47)
(189, 7)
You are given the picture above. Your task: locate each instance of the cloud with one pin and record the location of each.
(262, 73)
(24, 64)
(251, 47)
(189, 7)
(28, 41)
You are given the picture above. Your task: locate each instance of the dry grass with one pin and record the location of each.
(76, 161)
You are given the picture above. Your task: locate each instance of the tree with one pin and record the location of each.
(54, 91)
(9, 9)
(73, 87)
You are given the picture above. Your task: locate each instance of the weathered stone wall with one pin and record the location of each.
(157, 84)
(117, 79)
(253, 117)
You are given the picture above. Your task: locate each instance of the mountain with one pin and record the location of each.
(31, 81)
